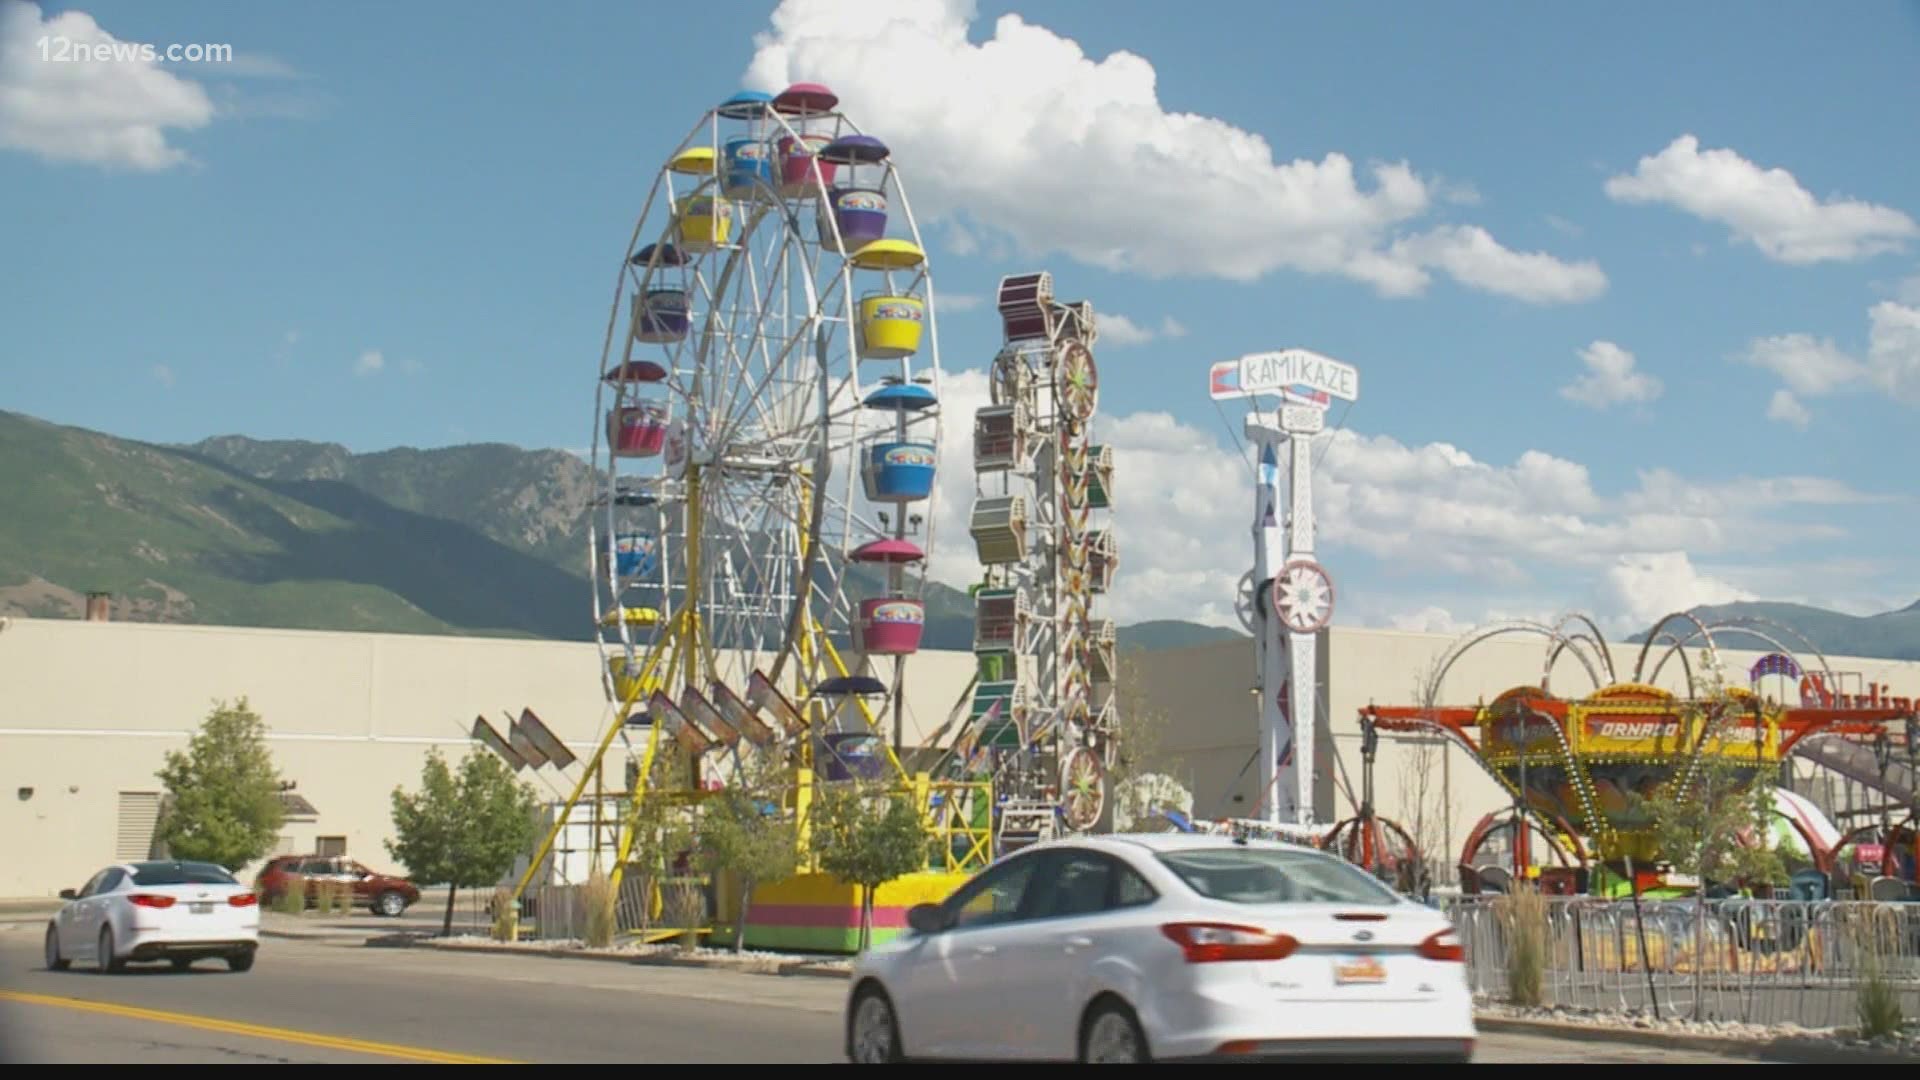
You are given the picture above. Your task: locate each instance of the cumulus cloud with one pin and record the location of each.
(1064, 153)
(1767, 208)
(1117, 329)
(1640, 588)
(1817, 367)
(1508, 534)
(112, 113)
(1787, 409)
(1611, 379)
(371, 362)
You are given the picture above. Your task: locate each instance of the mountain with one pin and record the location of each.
(529, 500)
(177, 537)
(483, 538)
(1891, 635)
(1174, 634)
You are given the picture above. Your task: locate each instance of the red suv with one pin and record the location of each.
(380, 893)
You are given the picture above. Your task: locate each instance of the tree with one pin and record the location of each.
(743, 829)
(1136, 783)
(463, 830)
(1712, 820)
(866, 835)
(224, 793)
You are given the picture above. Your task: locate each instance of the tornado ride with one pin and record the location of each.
(766, 438)
(1573, 765)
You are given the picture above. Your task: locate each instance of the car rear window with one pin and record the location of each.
(182, 874)
(1268, 876)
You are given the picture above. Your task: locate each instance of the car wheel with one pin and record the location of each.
(55, 962)
(390, 903)
(104, 961)
(873, 1035)
(240, 961)
(1112, 1035)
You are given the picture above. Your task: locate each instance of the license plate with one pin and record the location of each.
(200, 909)
(1358, 970)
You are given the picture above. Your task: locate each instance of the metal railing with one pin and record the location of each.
(1751, 961)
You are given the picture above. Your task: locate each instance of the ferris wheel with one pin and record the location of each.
(766, 424)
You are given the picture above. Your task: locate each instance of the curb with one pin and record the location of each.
(787, 969)
(1786, 1050)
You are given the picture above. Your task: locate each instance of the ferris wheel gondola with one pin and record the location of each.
(767, 419)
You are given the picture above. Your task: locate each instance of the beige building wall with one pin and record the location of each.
(88, 711)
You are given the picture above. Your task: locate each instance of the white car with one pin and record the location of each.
(1165, 947)
(141, 911)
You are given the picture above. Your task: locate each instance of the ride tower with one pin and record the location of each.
(1043, 710)
(1287, 598)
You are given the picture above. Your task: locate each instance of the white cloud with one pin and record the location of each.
(1565, 226)
(1640, 588)
(371, 362)
(1787, 409)
(1815, 368)
(1428, 620)
(1811, 367)
(163, 374)
(1116, 329)
(962, 301)
(1767, 208)
(1172, 327)
(1610, 379)
(1510, 536)
(1063, 153)
(1474, 257)
(1893, 350)
(112, 113)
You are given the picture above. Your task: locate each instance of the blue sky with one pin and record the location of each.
(216, 249)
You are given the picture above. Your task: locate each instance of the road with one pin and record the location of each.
(338, 1001)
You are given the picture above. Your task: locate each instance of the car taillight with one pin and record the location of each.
(149, 900)
(245, 899)
(1206, 943)
(1444, 945)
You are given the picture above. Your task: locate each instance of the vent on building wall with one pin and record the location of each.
(139, 814)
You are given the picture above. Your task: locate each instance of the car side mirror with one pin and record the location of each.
(69, 894)
(926, 918)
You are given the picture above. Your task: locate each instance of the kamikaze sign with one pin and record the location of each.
(1297, 375)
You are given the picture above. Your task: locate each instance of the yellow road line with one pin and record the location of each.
(256, 1031)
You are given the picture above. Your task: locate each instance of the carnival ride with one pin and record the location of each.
(766, 438)
(1041, 710)
(1578, 768)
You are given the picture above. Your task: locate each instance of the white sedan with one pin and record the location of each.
(1166, 947)
(142, 911)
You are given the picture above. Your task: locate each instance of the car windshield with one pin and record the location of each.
(1268, 876)
(184, 873)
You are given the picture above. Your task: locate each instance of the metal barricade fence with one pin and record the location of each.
(1763, 962)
